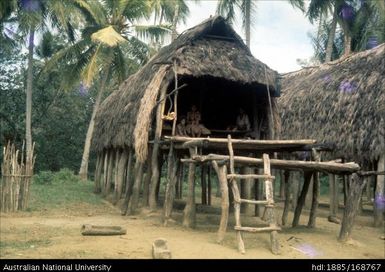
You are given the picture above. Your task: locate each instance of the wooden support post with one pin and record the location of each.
(295, 188)
(189, 211)
(170, 187)
(309, 195)
(98, 173)
(258, 195)
(189, 216)
(237, 206)
(105, 170)
(208, 185)
(116, 165)
(147, 181)
(222, 177)
(109, 172)
(157, 191)
(353, 197)
(333, 199)
(179, 182)
(134, 199)
(379, 198)
(155, 151)
(270, 206)
(302, 197)
(204, 184)
(286, 208)
(121, 169)
(246, 190)
(128, 181)
(282, 184)
(315, 190)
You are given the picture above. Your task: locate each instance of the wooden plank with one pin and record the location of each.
(256, 202)
(250, 176)
(262, 229)
(329, 167)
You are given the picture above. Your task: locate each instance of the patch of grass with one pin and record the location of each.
(21, 245)
(60, 189)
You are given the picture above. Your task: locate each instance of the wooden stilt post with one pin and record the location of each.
(295, 188)
(316, 190)
(334, 201)
(170, 187)
(105, 170)
(222, 177)
(379, 198)
(134, 199)
(208, 185)
(116, 165)
(179, 182)
(147, 181)
(120, 173)
(155, 151)
(189, 218)
(302, 197)
(128, 181)
(110, 169)
(282, 184)
(203, 184)
(353, 196)
(286, 175)
(98, 173)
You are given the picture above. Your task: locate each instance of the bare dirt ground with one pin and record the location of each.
(56, 234)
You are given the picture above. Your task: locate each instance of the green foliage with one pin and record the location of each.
(60, 190)
(65, 175)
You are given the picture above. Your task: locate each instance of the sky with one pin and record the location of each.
(279, 35)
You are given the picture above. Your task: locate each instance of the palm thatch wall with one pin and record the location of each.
(341, 102)
(211, 49)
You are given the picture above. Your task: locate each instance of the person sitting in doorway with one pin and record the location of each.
(194, 127)
(242, 122)
(181, 128)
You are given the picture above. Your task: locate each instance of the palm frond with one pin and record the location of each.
(226, 8)
(108, 36)
(152, 32)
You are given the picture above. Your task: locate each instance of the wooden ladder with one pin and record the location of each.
(269, 212)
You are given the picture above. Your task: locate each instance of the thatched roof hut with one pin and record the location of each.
(341, 102)
(221, 75)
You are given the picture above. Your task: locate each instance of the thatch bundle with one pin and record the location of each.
(341, 102)
(209, 49)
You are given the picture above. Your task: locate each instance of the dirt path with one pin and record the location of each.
(56, 234)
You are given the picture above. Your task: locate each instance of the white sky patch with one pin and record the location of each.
(278, 35)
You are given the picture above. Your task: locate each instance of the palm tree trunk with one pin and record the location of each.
(347, 39)
(87, 145)
(329, 47)
(175, 21)
(247, 22)
(28, 112)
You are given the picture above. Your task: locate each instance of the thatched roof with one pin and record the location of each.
(197, 52)
(341, 102)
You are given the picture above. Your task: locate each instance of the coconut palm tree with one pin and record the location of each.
(247, 9)
(106, 49)
(32, 16)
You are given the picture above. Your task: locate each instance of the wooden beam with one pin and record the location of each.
(329, 167)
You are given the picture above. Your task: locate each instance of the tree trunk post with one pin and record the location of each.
(134, 199)
(128, 181)
(189, 218)
(379, 198)
(222, 177)
(98, 172)
(116, 174)
(121, 170)
(208, 185)
(353, 198)
(170, 187)
(110, 167)
(315, 190)
(204, 184)
(333, 199)
(295, 187)
(147, 181)
(155, 174)
(302, 197)
(286, 175)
